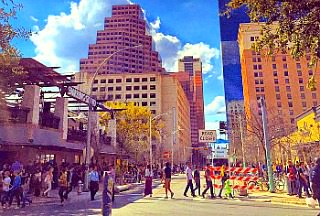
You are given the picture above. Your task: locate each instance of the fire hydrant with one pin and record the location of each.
(80, 187)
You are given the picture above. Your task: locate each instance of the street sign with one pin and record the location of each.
(83, 97)
(207, 136)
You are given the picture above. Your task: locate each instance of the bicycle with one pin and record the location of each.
(264, 184)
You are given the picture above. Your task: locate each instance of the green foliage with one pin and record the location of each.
(133, 126)
(292, 25)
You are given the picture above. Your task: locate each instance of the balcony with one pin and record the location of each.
(49, 120)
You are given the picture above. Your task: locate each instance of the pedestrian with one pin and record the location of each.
(48, 182)
(25, 196)
(63, 183)
(148, 183)
(107, 194)
(196, 177)
(292, 180)
(223, 177)
(167, 180)
(94, 182)
(227, 187)
(15, 190)
(112, 175)
(5, 189)
(208, 182)
(189, 181)
(315, 181)
(302, 181)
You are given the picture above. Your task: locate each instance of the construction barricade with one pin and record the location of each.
(239, 178)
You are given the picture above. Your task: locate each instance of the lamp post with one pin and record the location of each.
(88, 143)
(150, 133)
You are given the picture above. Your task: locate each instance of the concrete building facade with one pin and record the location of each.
(280, 79)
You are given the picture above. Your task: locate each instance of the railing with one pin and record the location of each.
(49, 120)
(77, 135)
(18, 114)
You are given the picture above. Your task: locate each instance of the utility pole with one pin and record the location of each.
(241, 137)
(267, 145)
(173, 134)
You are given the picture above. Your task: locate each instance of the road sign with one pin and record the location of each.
(207, 136)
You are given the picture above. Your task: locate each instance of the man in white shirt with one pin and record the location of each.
(189, 180)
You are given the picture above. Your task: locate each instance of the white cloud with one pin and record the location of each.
(65, 38)
(34, 19)
(217, 106)
(212, 125)
(171, 49)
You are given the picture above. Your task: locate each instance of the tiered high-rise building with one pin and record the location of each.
(125, 28)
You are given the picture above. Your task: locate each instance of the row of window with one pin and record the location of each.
(285, 73)
(128, 80)
(128, 88)
(129, 96)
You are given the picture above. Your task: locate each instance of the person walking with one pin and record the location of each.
(167, 180)
(208, 182)
(63, 182)
(5, 189)
(107, 194)
(196, 177)
(302, 181)
(148, 183)
(94, 182)
(25, 196)
(15, 190)
(315, 181)
(223, 179)
(189, 181)
(48, 182)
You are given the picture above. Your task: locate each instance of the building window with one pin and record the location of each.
(260, 74)
(144, 95)
(310, 72)
(256, 74)
(153, 112)
(152, 79)
(298, 65)
(136, 87)
(304, 104)
(284, 58)
(314, 95)
(152, 95)
(256, 81)
(128, 96)
(285, 66)
(118, 88)
(279, 104)
(287, 81)
(94, 89)
(110, 80)
(314, 103)
(152, 103)
(128, 88)
(274, 66)
(118, 80)
(291, 112)
(308, 58)
(289, 96)
(128, 80)
(102, 89)
(152, 87)
(303, 96)
(118, 96)
(299, 73)
(300, 80)
(259, 59)
(136, 80)
(136, 96)
(257, 89)
(273, 58)
(95, 81)
(292, 121)
(286, 73)
(288, 88)
(301, 88)
(251, 38)
(110, 97)
(144, 87)
(277, 88)
(275, 73)
(144, 79)
(290, 104)
(278, 96)
(103, 81)
(276, 81)
(144, 103)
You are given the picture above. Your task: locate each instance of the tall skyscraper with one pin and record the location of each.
(190, 77)
(280, 79)
(125, 28)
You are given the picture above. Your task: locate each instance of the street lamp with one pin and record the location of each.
(150, 132)
(88, 144)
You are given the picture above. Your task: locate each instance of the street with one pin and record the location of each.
(132, 202)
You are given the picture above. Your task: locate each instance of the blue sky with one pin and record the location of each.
(66, 28)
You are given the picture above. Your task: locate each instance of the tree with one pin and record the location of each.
(288, 25)
(133, 127)
(10, 71)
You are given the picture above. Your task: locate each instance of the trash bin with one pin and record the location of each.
(80, 187)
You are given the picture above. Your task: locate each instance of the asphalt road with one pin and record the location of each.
(133, 203)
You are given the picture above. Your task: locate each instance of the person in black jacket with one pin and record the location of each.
(315, 181)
